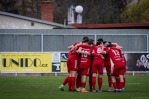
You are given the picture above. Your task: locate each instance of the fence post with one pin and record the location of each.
(95, 37)
(133, 73)
(147, 43)
(41, 42)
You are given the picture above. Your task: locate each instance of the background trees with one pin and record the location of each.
(95, 11)
(137, 13)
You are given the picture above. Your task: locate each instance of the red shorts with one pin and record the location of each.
(72, 64)
(97, 66)
(107, 64)
(84, 71)
(118, 69)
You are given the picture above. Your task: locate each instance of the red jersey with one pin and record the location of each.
(107, 62)
(96, 52)
(114, 54)
(106, 56)
(85, 60)
(73, 53)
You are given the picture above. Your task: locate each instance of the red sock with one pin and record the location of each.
(69, 83)
(118, 82)
(83, 84)
(121, 85)
(124, 82)
(73, 83)
(78, 81)
(99, 83)
(65, 81)
(115, 85)
(109, 81)
(94, 83)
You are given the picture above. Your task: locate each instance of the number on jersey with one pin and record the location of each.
(84, 55)
(116, 52)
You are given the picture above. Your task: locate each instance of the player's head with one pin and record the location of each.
(98, 43)
(91, 42)
(105, 43)
(110, 44)
(85, 39)
(100, 40)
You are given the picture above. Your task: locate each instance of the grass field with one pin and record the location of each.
(46, 87)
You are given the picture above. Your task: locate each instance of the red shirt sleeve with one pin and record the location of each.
(84, 46)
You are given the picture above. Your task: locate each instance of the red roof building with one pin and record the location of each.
(113, 26)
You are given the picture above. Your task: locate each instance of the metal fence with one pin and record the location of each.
(38, 40)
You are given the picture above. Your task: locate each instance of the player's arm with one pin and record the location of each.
(83, 46)
(74, 46)
(82, 52)
(102, 50)
(117, 45)
(70, 47)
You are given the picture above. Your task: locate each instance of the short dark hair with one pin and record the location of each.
(100, 40)
(85, 39)
(91, 41)
(110, 44)
(104, 42)
(98, 43)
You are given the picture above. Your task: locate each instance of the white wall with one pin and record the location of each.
(7, 22)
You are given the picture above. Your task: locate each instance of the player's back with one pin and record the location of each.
(96, 52)
(114, 54)
(85, 59)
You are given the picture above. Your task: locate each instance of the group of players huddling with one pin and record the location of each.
(88, 59)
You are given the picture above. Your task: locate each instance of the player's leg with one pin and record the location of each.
(67, 79)
(90, 80)
(83, 79)
(73, 72)
(114, 83)
(108, 70)
(124, 75)
(99, 82)
(94, 74)
(118, 81)
(100, 73)
(114, 73)
(78, 82)
(93, 82)
(121, 82)
(121, 76)
(73, 80)
(90, 75)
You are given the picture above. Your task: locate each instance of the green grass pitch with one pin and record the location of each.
(46, 87)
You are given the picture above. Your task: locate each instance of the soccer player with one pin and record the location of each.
(124, 61)
(85, 62)
(92, 44)
(72, 68)
(118, 68)
(72, 64)
(78, 83)
(97, 66)
(107, 65)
